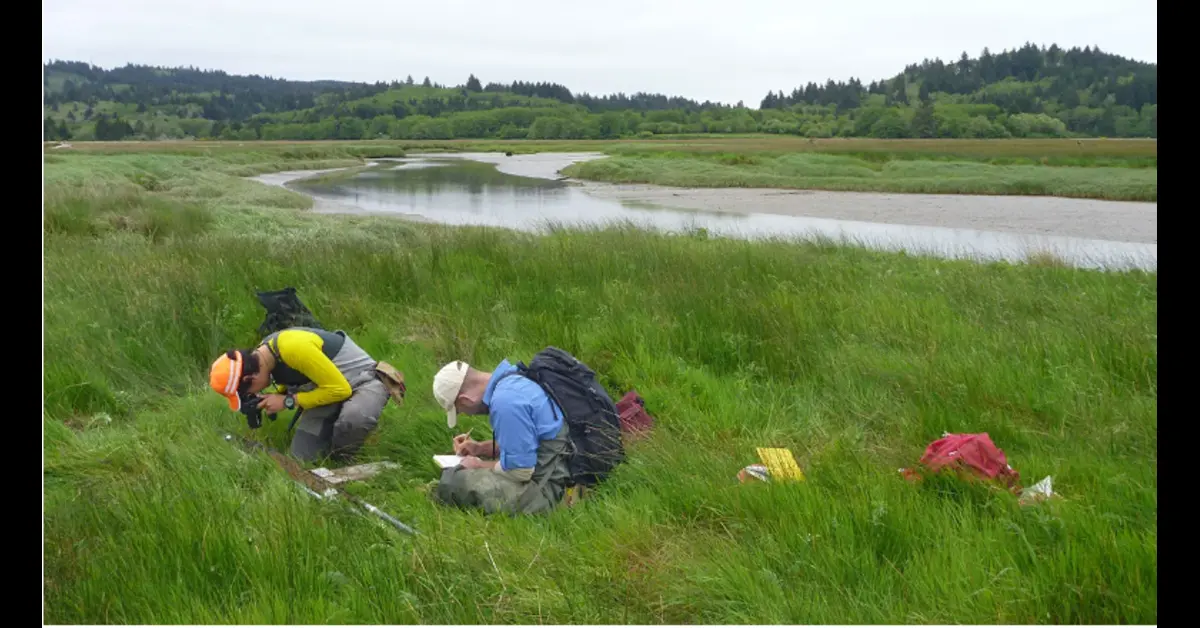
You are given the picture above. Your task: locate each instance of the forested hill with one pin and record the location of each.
(1090, 92)
(1028, 92)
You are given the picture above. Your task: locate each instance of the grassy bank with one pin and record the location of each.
(855, 360)
(869, 173)
(1084, 152)
(1125, 170)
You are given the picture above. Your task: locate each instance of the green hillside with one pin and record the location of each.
(1030, 92)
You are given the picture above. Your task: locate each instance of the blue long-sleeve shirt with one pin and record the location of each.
(521, 416)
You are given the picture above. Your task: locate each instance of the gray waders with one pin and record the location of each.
(500, 492)
(339, 429)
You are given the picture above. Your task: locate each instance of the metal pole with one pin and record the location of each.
(312, 481)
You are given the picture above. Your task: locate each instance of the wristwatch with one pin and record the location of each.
(289, 401)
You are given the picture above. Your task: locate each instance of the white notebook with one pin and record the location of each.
(447, 462)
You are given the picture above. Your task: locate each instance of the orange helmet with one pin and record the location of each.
(225, 377)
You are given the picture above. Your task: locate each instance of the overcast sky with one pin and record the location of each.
(702, 49)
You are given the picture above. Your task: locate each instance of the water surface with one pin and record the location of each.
(458, 191)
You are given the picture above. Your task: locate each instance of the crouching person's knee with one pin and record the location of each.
(350, 432)
(309, 447)
(473, 488)
(450, 490)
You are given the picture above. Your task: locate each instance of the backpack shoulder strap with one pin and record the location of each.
(523, 371)
(273, 346)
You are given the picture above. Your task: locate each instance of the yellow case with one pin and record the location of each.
(780, 463)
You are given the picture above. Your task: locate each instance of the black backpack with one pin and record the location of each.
(284, 310)
(592, 417)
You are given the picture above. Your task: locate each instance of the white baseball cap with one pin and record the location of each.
(446, 385)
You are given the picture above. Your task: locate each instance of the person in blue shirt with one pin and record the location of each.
(523, 469)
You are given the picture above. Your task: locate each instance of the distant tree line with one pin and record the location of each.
(639, 101)
(219, 96)
(1027, 92)
(1076, 77)
(1089, 91)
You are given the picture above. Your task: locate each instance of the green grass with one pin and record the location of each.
(1124, 170)
(869, 173)
(853, 359)
(1140, 153)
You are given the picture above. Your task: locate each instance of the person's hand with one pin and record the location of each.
(471, 448)
(471, 462)
(272, 404)
(462, 445)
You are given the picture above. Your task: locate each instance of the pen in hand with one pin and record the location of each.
(461, 441)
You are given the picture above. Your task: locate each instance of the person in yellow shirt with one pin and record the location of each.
(324, 373)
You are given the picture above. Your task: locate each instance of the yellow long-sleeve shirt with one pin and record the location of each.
(304, 352)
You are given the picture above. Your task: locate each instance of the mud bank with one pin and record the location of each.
(1033, 215)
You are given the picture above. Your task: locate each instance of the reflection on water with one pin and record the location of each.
(460, 192)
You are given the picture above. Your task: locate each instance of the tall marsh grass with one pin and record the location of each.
(855, 360)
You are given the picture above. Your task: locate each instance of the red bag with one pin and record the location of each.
(973, 452)
(633, 415)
